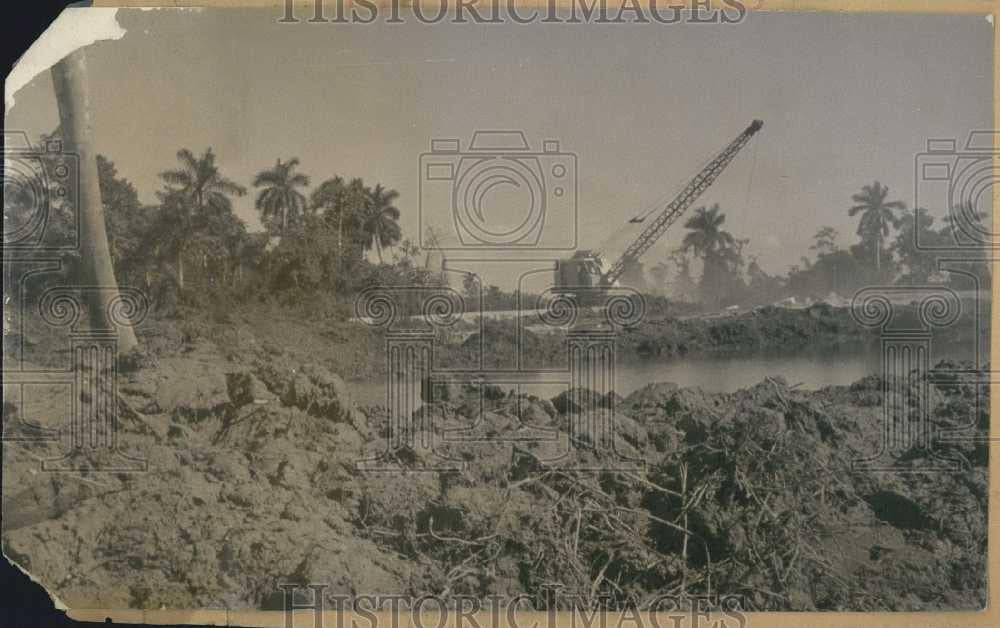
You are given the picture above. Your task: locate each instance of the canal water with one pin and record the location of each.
(713, 373)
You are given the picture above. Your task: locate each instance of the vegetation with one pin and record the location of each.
(280, 202)
(887, 251)
(196, 214)
(877, 214)
(190, 246)
(718, 250)
(343, 235)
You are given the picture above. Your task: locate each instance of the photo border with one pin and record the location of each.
(988, 617)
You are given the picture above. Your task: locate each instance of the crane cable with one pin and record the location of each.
(746, 200)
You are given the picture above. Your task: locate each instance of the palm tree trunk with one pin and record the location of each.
(69, 78)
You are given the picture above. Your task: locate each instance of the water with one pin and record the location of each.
(715, 374)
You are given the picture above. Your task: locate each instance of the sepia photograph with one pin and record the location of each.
(487, 308)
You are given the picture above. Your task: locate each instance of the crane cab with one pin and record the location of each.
(584, 270)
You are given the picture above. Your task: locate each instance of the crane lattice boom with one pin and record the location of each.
(680, 204)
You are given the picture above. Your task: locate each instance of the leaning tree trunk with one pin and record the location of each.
(69, 77)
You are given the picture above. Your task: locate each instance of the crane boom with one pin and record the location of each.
(680, 204)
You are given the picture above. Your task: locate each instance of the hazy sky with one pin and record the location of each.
(845, 99)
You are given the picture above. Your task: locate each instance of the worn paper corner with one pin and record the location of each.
(75, 28)
(59, 604)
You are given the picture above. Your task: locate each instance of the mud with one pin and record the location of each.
(252, 482)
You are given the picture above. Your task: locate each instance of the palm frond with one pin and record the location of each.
(225, 186)
(268, 177)
(298, 180)
(176, 177)
(187, 158)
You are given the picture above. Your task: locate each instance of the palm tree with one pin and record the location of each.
(705, 237)
(200, 181)
(332, 196)
(713, 245)
(69, 78)
(876, 216)
(280, 202)
(196, 192)
(379, 222)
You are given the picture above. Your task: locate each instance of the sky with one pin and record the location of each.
(845, 98)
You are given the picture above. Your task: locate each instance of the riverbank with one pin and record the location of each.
(766, 331)
(255, 333)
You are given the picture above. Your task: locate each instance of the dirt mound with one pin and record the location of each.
(231, 503)
(254, 481)
(753, 492)
(500, 345)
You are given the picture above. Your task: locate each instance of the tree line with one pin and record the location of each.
(886, 251)
(190, 245)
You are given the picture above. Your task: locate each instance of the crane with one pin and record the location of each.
(580, 269)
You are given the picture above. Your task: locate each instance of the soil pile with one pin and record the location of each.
(253, 482)
(816, 328)
(501, 346)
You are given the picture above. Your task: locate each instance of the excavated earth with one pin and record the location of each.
(252, 481)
